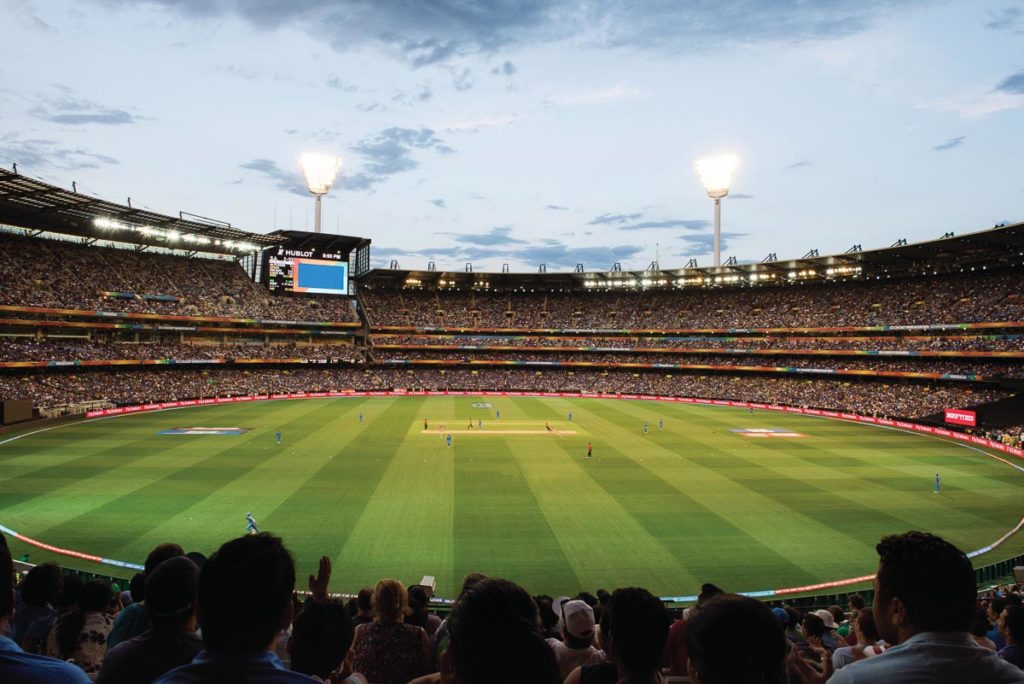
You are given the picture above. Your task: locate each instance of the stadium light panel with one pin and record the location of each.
(716, 174)
(319, 170)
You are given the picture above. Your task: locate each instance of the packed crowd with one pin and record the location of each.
(66, 349)
(962, 367)
(66, 275)
(896, 399)
(919, 343)
(958, 298)
(926, 624)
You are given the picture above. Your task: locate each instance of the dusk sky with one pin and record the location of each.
(530, 131)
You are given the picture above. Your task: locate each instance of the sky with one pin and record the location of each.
(528, 132)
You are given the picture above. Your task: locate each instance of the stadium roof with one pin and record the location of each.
(997, 246)
(29, 203)
(326, 242)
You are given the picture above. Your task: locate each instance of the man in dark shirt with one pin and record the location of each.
(171, 642)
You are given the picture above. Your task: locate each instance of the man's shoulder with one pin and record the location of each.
(934, 661)
(29, 668)
(257, 669)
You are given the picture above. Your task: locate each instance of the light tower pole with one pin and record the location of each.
(319, 170)
(716, 175)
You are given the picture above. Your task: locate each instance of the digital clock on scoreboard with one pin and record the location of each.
(306, 270)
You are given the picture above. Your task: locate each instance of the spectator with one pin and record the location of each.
(36, 598)
(924, 600)
(867, 645)
(674, 655)
(386, 650)
(134, 620)
(440, 641)
(170, 592)
(321, 638)
(419, 615)
(576, 647)
(980, 627)
(15, 664)
(364, 607)
(736, 640)
(244, 600)
(496, 638)
(634, 628)
(1011, 624)
(81, 636)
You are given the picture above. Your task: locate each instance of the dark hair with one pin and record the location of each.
(42, 585)
(496, 638)
(364, 599)
(838, 614)
(932, 578)
(137, 587)
(471, 580)
(866, 623)
(587, 598)
(794, 615)
(546, 608)
(95, 596)
(979, 623)
(639, 627)
(417, 615)
(1015, 622)
(161, 553)
(813, 626)
(6, 579)
(321, 638)
(711, 642)
(245, 592)
(855, 601)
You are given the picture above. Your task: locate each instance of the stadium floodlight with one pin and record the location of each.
(716, 175)
(319, 170)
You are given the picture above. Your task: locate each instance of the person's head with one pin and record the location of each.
(95, 597)
(708, 590)
(496, 637)
(42, 585)
(137, 587)
(390, 600)
(471, 580)
(711, 641)
(865, 624)
(814, 626)
(838, 614)
(6, 581)
(855, 602)
(245, 594)
(1011, 623)
(924, 584)
(980, 624)
(546, 608)
(417, 606)
(364, 601)
(321, 637)
(576, 620)
(161, 553)
(827, 618)
(794, 617)
(995, 607)
(171, 592)
(638, 627)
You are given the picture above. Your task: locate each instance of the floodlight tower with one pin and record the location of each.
(716, 175)
(320, 170)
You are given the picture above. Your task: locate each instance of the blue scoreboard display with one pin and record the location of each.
(306, 270)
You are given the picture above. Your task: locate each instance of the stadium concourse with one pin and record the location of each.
(903, 333)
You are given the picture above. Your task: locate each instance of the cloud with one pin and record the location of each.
(1012, 84)
(699, 245)
(462, 79)
(595, 96)
(391, 152)
(438, 203)
(499, 235)
(688, 224)
(950, 144)
(483, 122)
(797, 165)
(558, 255)
(738, 196)
(65, 109)
(556, 207)
(1007, 19)
(434, 31)
(341, 85)
(289, 181)
(504, 69)
(39, 153)
(607, 219)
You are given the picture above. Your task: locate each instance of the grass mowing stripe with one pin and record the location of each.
(499, 528)
(405, 527)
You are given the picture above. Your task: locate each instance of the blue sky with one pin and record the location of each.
(527, 132)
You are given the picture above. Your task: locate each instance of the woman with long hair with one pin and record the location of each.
(81, 635)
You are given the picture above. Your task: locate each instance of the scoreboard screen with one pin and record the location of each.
(306, 270)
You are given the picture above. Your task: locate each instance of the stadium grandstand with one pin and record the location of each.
(106, 310)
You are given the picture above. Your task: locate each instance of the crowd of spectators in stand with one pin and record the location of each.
(886, 364)
(926, 624)
(865, 343)
(66, 275)
(897, 399)
(948, 298)
(28, 349)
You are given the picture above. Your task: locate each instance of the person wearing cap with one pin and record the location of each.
(829, 639)
(170, 592)
(15, 664)
(576, 647)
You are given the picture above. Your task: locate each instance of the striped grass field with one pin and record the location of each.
(668, 510)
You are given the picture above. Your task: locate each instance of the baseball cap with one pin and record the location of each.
(827, 618)
(781, 615)
(577, 619)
